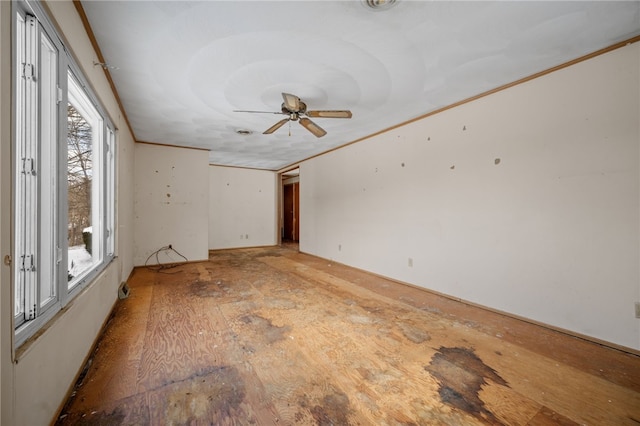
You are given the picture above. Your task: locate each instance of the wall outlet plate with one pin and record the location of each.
(637, 309)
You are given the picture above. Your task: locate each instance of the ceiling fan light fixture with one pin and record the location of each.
(296, 110)
(379, 4)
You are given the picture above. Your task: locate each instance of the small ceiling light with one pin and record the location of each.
(379, 4)
(243, 132)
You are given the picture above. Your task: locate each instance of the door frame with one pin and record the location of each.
(286, 177)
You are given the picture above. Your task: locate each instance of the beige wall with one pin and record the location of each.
(525, 201)
(36, 385)
(171, 203)
(48, 368)
(242, 208)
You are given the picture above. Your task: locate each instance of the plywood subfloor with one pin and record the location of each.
(271, 336)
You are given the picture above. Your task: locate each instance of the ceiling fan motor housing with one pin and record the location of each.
(301, 110)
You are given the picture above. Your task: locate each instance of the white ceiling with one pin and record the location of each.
(181, 68)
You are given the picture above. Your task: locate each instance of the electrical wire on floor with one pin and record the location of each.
(162, 267)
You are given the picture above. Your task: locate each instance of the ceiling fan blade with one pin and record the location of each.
(312, 127)
(291, 102)
(275, 126)
(330, 114)
(259, 112)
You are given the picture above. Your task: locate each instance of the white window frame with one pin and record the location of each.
(46, 79)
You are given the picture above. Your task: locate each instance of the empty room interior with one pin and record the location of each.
(352, 212)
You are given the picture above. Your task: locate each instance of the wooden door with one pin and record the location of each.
(291, 212)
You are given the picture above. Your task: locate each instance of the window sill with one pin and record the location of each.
(31, 342)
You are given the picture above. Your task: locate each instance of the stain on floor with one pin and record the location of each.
(117, 417)
(270, 336)
(215, 395)
(216, 288)
(127, 411)
(461, 374)
(415, 334)
(331, 410)
(264, 327)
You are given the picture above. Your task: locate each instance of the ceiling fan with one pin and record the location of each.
(297, 111)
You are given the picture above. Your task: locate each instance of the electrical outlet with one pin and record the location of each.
(339, 247)
(246, 237)
(410, 263)
(637, 309)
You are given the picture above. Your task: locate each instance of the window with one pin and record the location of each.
(63, 173)
(83, 183)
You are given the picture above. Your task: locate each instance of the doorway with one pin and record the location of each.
(291, 206)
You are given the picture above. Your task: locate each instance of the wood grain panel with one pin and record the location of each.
(271, 336)
(179, 338)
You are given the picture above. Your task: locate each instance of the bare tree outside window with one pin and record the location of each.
(79, 187)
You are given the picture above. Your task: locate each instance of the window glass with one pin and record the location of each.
(79, 192)
(47, 155)
(19, 196)
(63, 193)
